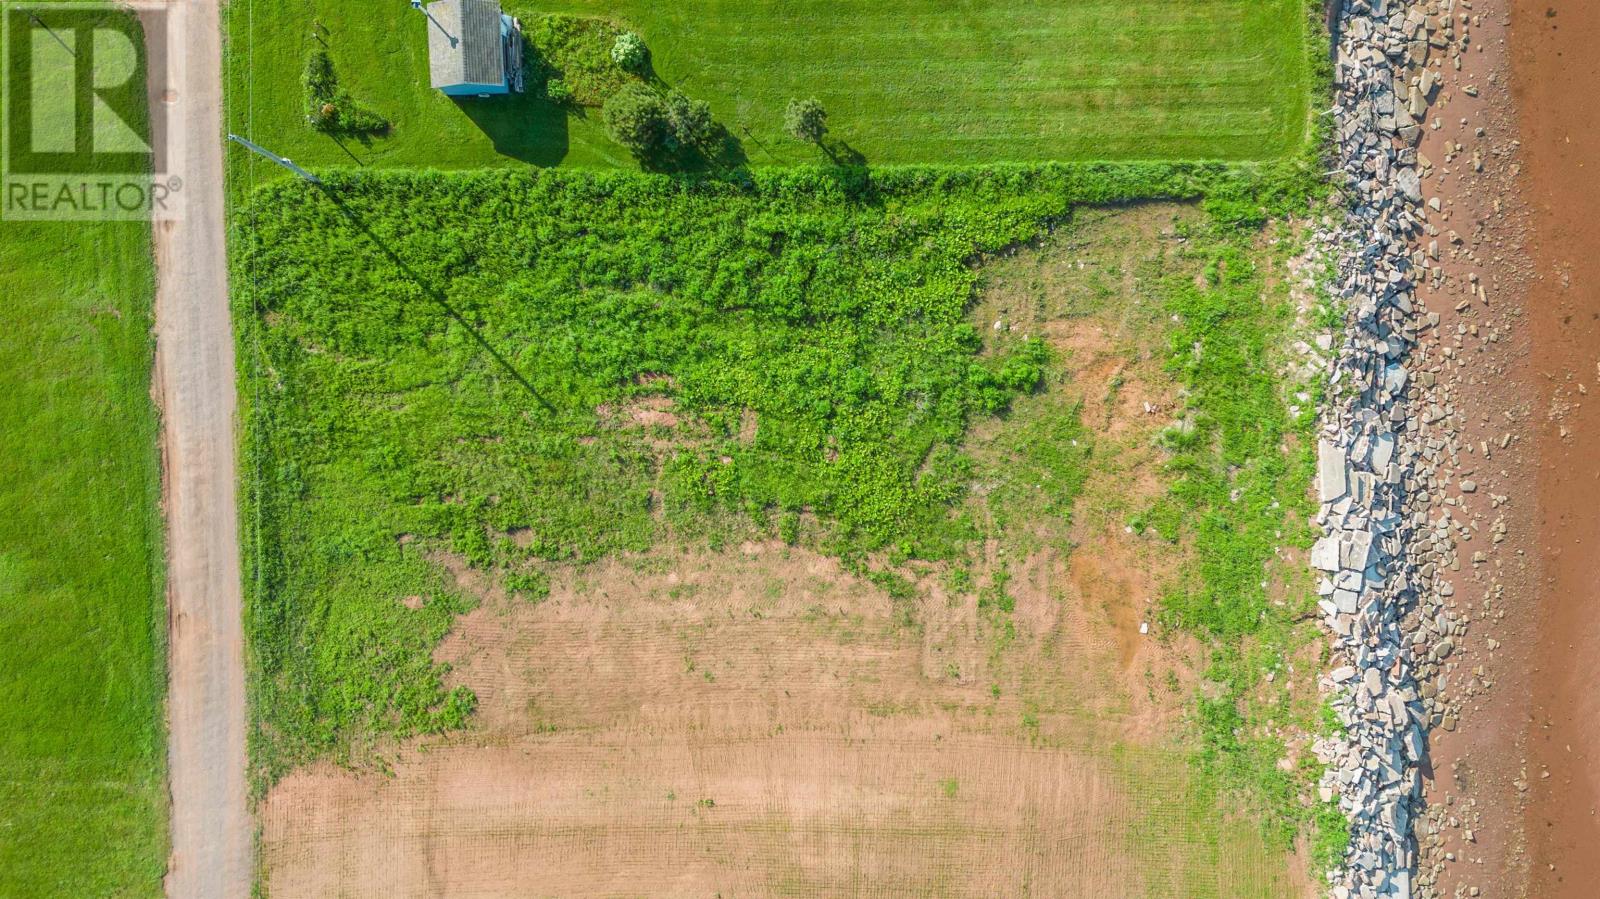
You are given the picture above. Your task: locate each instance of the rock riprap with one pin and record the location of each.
(1382, 447)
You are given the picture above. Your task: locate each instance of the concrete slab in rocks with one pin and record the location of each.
(1332, 481)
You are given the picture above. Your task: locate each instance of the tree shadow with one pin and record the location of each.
(750, 135)
(850, 172)
(841, 153)
(719, 153)
(351, 153)
(857, 184)
(528, 127)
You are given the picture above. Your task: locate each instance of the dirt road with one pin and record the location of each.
(211, 829)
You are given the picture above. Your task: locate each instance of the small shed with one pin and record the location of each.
(473, 48)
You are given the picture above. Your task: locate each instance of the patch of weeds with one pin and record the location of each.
(1030, 724)
(958, 580)
(532, 586)
(1240, 473)
(575, 52)
(789, 527)
(995, 597)
(898, 586)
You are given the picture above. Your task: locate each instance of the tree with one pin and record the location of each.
(806, 120)
(637, 119)
(689, 122)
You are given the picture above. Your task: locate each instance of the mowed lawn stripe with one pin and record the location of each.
(83, 796)
(82, 748)
(1039, 82)
(904, 81)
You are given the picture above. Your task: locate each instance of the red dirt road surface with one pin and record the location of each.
(211, 827)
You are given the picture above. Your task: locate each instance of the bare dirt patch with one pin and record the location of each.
(643, 814)
(1108, 581)
(1089, 292)
(643, 411)
(758, 722)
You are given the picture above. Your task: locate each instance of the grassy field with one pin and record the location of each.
(83, 797)
(82, 749)
(904, 81)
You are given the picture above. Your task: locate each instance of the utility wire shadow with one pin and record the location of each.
(437, 296)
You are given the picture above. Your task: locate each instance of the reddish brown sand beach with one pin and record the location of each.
(1520, 769)
(1556, 85)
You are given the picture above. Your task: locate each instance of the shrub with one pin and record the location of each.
(329, 108)
(806, 120)
(636, 118)
(558, 92)
(629, 51)
(533, 586)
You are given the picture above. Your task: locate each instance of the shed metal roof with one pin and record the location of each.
(476, 54)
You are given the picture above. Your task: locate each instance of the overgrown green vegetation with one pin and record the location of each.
(526, 369)
(578, 52)
(83, 798)
(904, 81)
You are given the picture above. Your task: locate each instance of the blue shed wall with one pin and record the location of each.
(472, 90)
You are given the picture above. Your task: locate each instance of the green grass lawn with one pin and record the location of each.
(83, 795)
(82, 749)
(904, 81)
